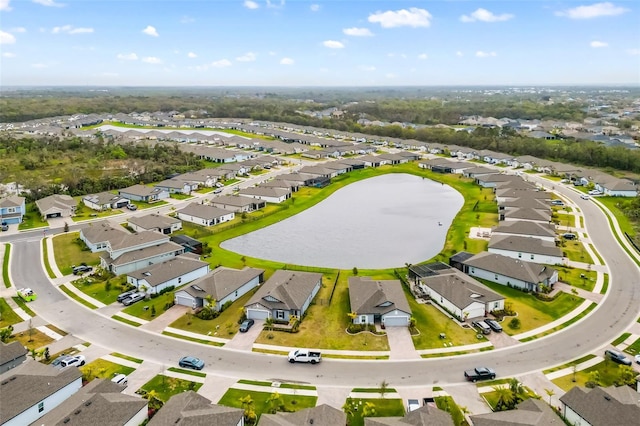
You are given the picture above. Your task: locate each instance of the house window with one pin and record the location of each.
(441, 299)
(496, 305)
(279, 314)
(236, 294)
(495, 277)
(363, 319)
(179, 280)
(473, 270)
(11, 210)
(40, 407)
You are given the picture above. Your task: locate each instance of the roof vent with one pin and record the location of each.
(607, 397)
(67, 420)
(88, 403)
(77, 411)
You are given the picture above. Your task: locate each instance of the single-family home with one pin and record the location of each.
(428, 414)
(238, 204)
(529, 249)
(96, 235)
(284, 184)
(191, 408)
(476, 172)
(56, 205)
(12, 209)
(321, 415)
(143, 193)
(438, 165)
(600, 406)
(100, 402)
(504, 194)
(285, 294)
(177, 185)
(378, 302)
(104, 201)
(11, 355)
(530, 412)
(270, 195)
(523, 203)
(508, 271)
(619, 188)
(174, 272)
(32, 389)
(526, 215)
(201, 214)
(222, 284)
(190, 245)
(459, 294)
(525, 228)
(155, 222)
(492, 180)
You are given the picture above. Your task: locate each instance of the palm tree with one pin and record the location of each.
(550, 392)
(369, 409)
(249, 409)
(505, 398)
(211, 302)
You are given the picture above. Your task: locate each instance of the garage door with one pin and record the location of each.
(257, 314)
(184, 301)
(476, 312)
(399, 321)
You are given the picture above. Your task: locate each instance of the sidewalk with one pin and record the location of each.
(555, 323)
(569, 370)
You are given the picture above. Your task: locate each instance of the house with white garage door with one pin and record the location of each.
(174, 272)
(222, 284)
(205, 215)
(285, 294)
(459, 294)
(268, 194)
(529, 249)
(378, 302)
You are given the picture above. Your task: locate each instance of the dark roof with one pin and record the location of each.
(509, 267)
(426, 415)
(461, 257)
(185, 240)
(322, 415)
(524, 245)
(428, 269)
(11, 351)
(367, 296)
(222, 282)
(191, 409)
(530, 412)
(286, 290)
(599, 406)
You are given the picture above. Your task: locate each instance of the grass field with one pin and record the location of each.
(102, 369)
(608, 370)
(165, 387)
(383, 408)
(580, 278)
(68, 251)
(7, 315)
(32, 218)
(260, 400)
(575, 251)
(5, 266)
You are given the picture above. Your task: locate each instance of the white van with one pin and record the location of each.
(482, 326)
(120, 379)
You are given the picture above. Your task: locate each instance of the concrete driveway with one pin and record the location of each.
(401, 344)
(244, 341)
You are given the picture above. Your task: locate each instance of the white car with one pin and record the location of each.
(120, 379)
(412, 405)
(595, 192)
(584, 196)
(77, 360)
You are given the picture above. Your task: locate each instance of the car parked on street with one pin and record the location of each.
(136, 297)
(246, 325)
(617, 357)
(480, 373)
(191, 362)
(217, 190)
(77, 360)
(5, 226)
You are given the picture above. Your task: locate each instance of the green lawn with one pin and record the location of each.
(7, 315)
(97, 289)
(575, 251)
(533, 312)
(102, 369)
(127, 357)
(143, 206)
(45, 259)
(260, 400)
(383, 408)
(609, 372)
(181, 196)
(570, 364)
(85, 213)
(32, 218)
(580, 278)
(493, 397)
(447, 403)
(634, 348)
(143, 309)
(614, 204)
(166, 387)
(69, 251)
(5, 266)
(77, 298)
(23, 305)
(564, 219)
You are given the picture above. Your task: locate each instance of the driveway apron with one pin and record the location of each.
(400, 343)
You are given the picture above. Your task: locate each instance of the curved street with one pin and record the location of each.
(617, 311)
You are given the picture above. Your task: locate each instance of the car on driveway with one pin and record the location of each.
(5, 226)
(120, 379)
(191, 362)
(617, 357)
(637, 358)
(494, 325)
(132, 207)
(133, 299)
(76, 360)
(126, 295)
(246, 325)
(58, 361)
(584, 196)
(81, 269)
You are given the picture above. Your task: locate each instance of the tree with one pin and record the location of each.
(154, 402)
(5, 333)
(355, 271)
(550, 392)
(249, 409)
(384, 386)
(348, 408)
(627, 376)
(275, 402)
(369, 409)
(506, 398)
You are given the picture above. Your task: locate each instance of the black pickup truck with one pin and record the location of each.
(479, 373)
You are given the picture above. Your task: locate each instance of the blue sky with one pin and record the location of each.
(318, 43)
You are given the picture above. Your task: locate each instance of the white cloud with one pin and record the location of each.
(191, 55)
(358, 32)
(367, 68)
(151, 31)
(247, 57)
(422, 56)
(286, 61)
(333, 44)
(414, 17)
(633, 52)
(222, 63)
(596, 44)
(485, 16)
(187, 19)
(593, 11)
(4, 5)
(459, 54)
(152, 60)
(8, 55)
(314, 7)
(482, 54)
(49, 3)
(6, 38)
(249, 4)
(275, 5)
(127, 56)
(68, 29)
(19, 30)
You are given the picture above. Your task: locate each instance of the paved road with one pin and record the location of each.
(618, 310)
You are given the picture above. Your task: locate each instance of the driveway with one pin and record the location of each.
(401, 344)
(244, 341)
(158, 324)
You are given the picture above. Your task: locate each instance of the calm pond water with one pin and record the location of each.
(376, 223)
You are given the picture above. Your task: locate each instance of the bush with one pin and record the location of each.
(166, 290)
(207, 314)
(226, 305)
(514, 323)
(168, 305)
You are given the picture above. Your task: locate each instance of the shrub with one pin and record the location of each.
(514, 323)
(166, 289)
(168, 305)
(226, 305)
(207, 314)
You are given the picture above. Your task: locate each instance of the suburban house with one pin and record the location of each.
(100, 402)
(529, 249)
(237, 204)
(530, 412)
(600, 406)
(204, 215)
(284, 184)
(191, 408)
(618, 188)
(492, 180)
(505, 270)
(322, 415)
(523, 203)
(528, 215)
(428, 414)
(56, 205)
(173, 272)
(285, 294)
(504, 194)
(155, 222)
(459, 294)
(222, 284)
(96, 235)
(190, 245)
(143, 193)
(476, 172)
(32, 389)
(378, 302)
(204, 178)
(177, 186)
(12, 209)
(543, 231)
(270, 195)
(104, 201)
(11, 355)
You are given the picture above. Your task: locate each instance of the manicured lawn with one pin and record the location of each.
(181, 196)
(493, 397)
(5, 266)
(85, 213)
(102, 369)
(32, 218)
(614, 204)
(138, 308)
(564, 219)
(430, 322)
(533, 312)
(166, 387)
(77, 298)
(127, 357)
(45, 259)
(620, 339)
(7, 315)
(35, 341)
(634, 348)
(142, 205)
(69, 251)
(609, 371)
(570, 364)
(383, 408)
(24, 306)
(580, 278)
(575, 251)
(447, 403)
(98, 289)
(291, 402)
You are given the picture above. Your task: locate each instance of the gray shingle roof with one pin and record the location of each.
(153, 221)
(231, 200)
(102, 198)
(140, 190)
(160, 273)
(128, 239)
(425, 415)
(518, 193)
(145, 253)
(530, 412)
(204, 212)
(460, 289)
(98, 232)
(221, 282)
(599, 406)
(11, 351)
(290, 289)
(322, 415)
(191, 409)
(366, 296)
(11, 201)
(514, 268)
(265, 192)
(524, 244)
(59, 201)
(525, 202)
(525, 227)
(528, 214)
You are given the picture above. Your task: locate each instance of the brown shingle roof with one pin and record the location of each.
(290, 289)
(599, 406)
(368, 297)
(191, 409)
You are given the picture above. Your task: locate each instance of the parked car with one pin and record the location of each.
(246, 325)
(482, 326)
(219, 185)
(217, 190)
(304, 355)
(191, 362)
(5, 226)
(557, 203)
(81, 269)
(136, 297)
(494, 325)
(479, 373)
(412, 405)
(617, 357)
(120, 379)
(77, 360)
(126, 295)
(637, 358)
(595, 192)
(569, 236)
(58, 361)
(132, 207)
(584, 196)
